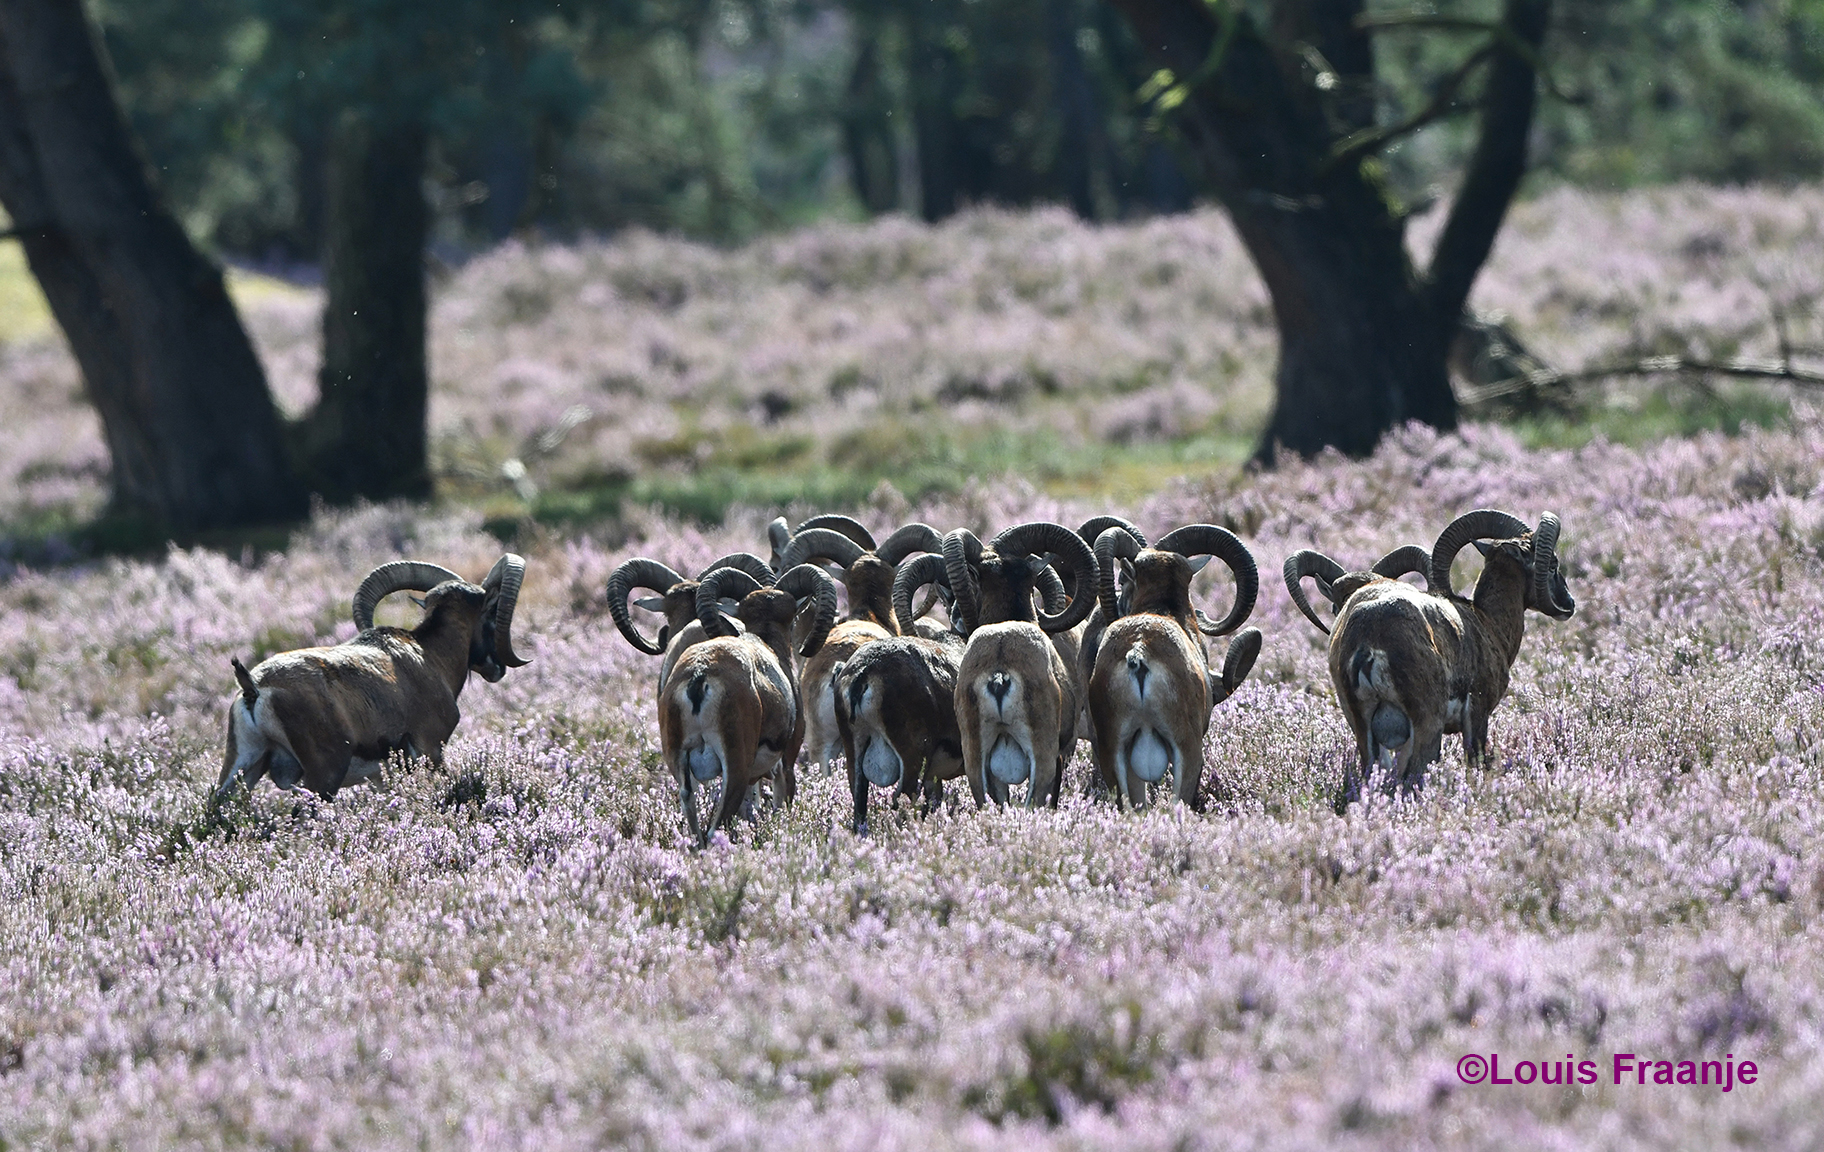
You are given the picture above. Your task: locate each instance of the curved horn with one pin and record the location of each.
(396, 576)
(1051, 589)
(508, 573)
(1115, 540)
(1096, 525)
(808, 580)
(1400, 561)
(1306, 562)
(1069, 553)
(846, 525)
(1244, 649)
(1210, 540)
(718, 583)
(911, 576)
(1545, 559)
(962, 552)
(1482, 524)
(905, 541)
(778, 535)
(639, 572)
(820, 544)
(746, 562)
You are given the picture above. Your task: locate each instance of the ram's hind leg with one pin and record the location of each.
(1187, 766)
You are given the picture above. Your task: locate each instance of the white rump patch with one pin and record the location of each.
(1008, 761)
(880, 764)
(1148, 756)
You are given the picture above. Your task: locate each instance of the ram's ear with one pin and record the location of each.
(729, 605)
(1198, 563)
(414, 599)
(651, 603)
(1485, 549)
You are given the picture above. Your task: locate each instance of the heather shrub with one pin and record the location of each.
(520, 950)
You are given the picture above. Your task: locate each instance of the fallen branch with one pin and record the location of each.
(1651, 366)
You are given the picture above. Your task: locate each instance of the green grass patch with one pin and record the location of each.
(702, 478)
(1660, 414)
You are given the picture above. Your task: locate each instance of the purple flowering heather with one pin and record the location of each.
(521, 950)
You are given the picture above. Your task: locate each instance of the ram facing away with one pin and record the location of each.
(867, 574)
(1016, 695)
(730, 709)
(330, 716)
(1151, 690)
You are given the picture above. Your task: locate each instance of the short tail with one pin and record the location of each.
(250, 691)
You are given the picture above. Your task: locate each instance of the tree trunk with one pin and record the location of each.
(1271, 115)
(366, 436)
(1358, 353)
(1083, 155)
(933, 96)
(867, 130)
(195, 440)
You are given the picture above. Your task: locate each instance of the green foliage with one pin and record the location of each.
(1645, 91)
(721, 118)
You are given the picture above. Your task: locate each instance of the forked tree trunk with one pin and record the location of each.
(195, 440)
(1276, 115)
(366, 436)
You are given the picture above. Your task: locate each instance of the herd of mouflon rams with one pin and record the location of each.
(1047, 636)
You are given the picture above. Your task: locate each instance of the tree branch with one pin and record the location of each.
(1651, 366)
(1370, 22)
(1372, 139)
(1494, 170)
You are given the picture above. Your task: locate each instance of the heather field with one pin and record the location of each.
(520, 950)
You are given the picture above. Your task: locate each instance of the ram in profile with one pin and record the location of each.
(1410, 666)
(325, 717)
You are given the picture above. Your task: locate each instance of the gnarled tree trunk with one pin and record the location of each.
(1282, 119)
(195, 439)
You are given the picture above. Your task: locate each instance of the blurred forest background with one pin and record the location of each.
(774, 344)
(718, 119)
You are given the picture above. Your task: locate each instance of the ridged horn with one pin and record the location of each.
(1224, 545)
(503, 581)
(746, 562)
(820, 544)
(807, 581)
(1482, 524)
(1244, 649)
(1410, 558)
(1096, 525)
(1068, 553)
(639, 572)
(1306, 562)
(1051, 589)
(1545, 562)
(1116, 541)
(962, 552)
(717, 583)
(908, 539)
(910, 577)
(847, 525)
(395, 576)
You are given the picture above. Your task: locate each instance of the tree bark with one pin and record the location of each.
(195, 440)
(1364, 335)
(366, 436)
